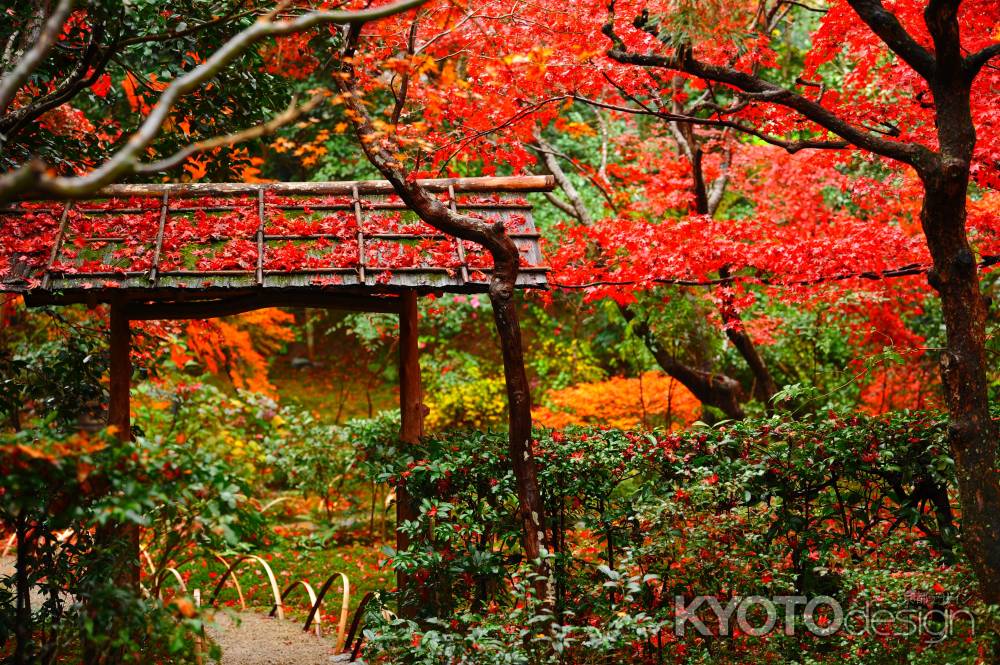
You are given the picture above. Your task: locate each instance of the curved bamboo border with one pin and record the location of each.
(236, 582)
(270, 576)
(344, 638)
(177, 576)
(355, 624)
(149, 561)
(345, 606)
(313, 603)
(272, 503)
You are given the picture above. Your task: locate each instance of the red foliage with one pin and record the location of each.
(219, 234)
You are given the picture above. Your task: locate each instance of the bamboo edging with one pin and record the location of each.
(315, 615)
(315, 599)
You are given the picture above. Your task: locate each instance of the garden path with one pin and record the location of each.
(257, 639)
(262, 640)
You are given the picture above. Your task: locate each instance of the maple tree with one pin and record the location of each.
(938, 142)
(717, 69)
(724, 162)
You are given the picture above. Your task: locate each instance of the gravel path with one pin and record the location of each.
(261, 640)
(257, 640)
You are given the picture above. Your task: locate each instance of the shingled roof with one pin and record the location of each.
(170, 243)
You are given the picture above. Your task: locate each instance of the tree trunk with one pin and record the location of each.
(411, 415)
(718, 390)
(506, 263)
(764, 387)
(119, 543)
(24, 625)
(972, 432)
(519, 423)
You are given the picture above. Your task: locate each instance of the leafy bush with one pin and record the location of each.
(234, 427)
(71, 500)
(57, 380)
(853, 508)
(473, 397)
(308, 455)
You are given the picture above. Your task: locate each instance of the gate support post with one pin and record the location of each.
(119, 542)
(411, 410)
(119, 417)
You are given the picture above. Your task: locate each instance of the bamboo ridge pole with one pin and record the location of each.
(485, 185)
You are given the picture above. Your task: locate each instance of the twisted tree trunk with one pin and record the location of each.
(723, 392)
(506, 262)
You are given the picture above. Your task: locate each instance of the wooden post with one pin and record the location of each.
(118, 542)
(119, 417)
(121, 372)
(411, 410)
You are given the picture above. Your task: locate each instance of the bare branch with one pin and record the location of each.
(602, 170)
(520, 115)
(683, 60)
(16, 77)
(718, 187)
(560, 204)
(592, 178)
(552, 164)
(404, 86)
(975, 62)
(289, 115)
(86, 71)
(790, 145)
(83, 75)
(810, 8)
(682, 141)
(30, 178)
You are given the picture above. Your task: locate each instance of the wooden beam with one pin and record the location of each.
(120, 370)
(338, 188)
(207, 309)
(411, 411)
(410, 391)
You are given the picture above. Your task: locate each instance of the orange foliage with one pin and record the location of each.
(896, 387)
(239, 346)
(9, 304)
(647, 401)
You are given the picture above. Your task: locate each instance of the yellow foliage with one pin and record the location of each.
(578, 129)
(480, 403)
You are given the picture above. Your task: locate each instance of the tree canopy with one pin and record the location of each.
(762, 209)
